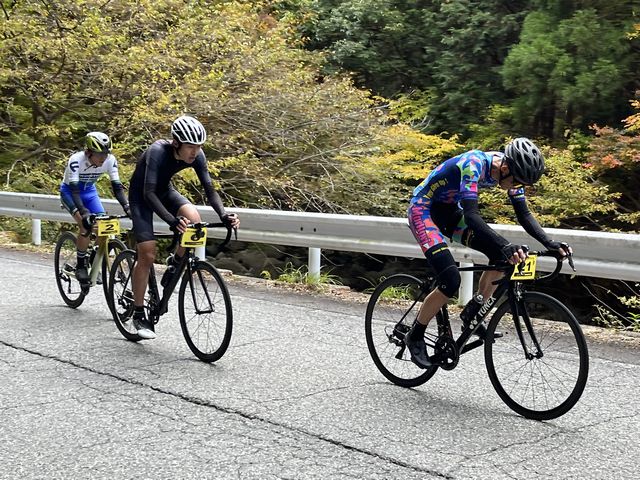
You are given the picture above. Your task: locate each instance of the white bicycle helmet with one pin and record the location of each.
(186, 129)
(98, 142)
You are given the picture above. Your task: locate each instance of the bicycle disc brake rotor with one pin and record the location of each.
(446, 354)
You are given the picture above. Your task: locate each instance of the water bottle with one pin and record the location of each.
(471, 309)
(168, 273)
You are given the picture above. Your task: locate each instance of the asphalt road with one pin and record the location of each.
(296, 396)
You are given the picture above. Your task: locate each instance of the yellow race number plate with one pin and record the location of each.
(194, 237)
(108, 227)
(526, 271)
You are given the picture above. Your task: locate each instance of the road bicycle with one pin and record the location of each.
(204, 304)
(101, 255)
(534, 349)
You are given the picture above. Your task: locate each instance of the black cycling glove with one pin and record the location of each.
(509, 250)
(227, 219)
(553, 245)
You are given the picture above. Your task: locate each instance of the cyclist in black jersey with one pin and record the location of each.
(151, 192)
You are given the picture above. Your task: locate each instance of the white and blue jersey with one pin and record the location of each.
(80, 173)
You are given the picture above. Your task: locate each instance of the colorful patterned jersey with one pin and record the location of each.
(459, 178)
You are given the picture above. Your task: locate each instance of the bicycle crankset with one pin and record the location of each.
(446, 354)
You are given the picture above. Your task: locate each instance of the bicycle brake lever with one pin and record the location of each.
(235, 232)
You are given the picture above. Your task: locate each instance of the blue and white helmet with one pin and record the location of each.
(186, 129)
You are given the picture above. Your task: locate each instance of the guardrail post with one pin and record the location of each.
(36, 231)
(201, 253)
(314, 265)
(466, 285)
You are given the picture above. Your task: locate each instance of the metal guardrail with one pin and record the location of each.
(597, 254)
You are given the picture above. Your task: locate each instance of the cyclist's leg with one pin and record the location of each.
(90, 200)
(180, 206)
(455, 227)
(142, 219)
(471, 239)
(437, 253)
(434, 247)
(92, 203)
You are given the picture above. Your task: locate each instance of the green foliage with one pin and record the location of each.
(569, 72)
(470, 40)
(382, 42)
(291, 274)
(614, 157)
(450, 49)
(626, 318)
(567, 196)
(20, 229)
(281, 136)
(495, 128)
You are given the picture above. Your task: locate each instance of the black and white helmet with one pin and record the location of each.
(187, 129)
(525, 161)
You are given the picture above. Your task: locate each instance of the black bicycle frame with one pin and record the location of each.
(185, 264)
(504, 286)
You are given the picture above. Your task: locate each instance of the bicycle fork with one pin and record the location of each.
(520, 315)
(211, 309)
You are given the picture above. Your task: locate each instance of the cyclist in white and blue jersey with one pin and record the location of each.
(79, 194)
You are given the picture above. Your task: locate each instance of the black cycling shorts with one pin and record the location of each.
(142, 214)
(449, 218)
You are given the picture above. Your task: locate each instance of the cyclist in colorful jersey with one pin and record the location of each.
(445, 204)
(79, 194)
(151, 192)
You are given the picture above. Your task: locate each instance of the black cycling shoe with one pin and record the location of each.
(418, 350)
(82, 274)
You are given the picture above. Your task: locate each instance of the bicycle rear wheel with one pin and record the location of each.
(206, 315)
(550, 381)
(65, 259)
(120, 297)
(392, 309)
(114, 247)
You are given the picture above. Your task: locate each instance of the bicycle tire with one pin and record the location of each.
(65, 266)
(552, 384)
(121, 294)
(395, 297)
(206, 314)
(114, 247)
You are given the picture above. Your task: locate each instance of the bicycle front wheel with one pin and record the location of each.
(114, 247)
(546, 380)
(65, 259)
(120, 297)
(206, 315)
(392, 309)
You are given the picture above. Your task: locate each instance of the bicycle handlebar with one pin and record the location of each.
(93, 217)
(200, 226)
(559, 261)
(507, 267)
